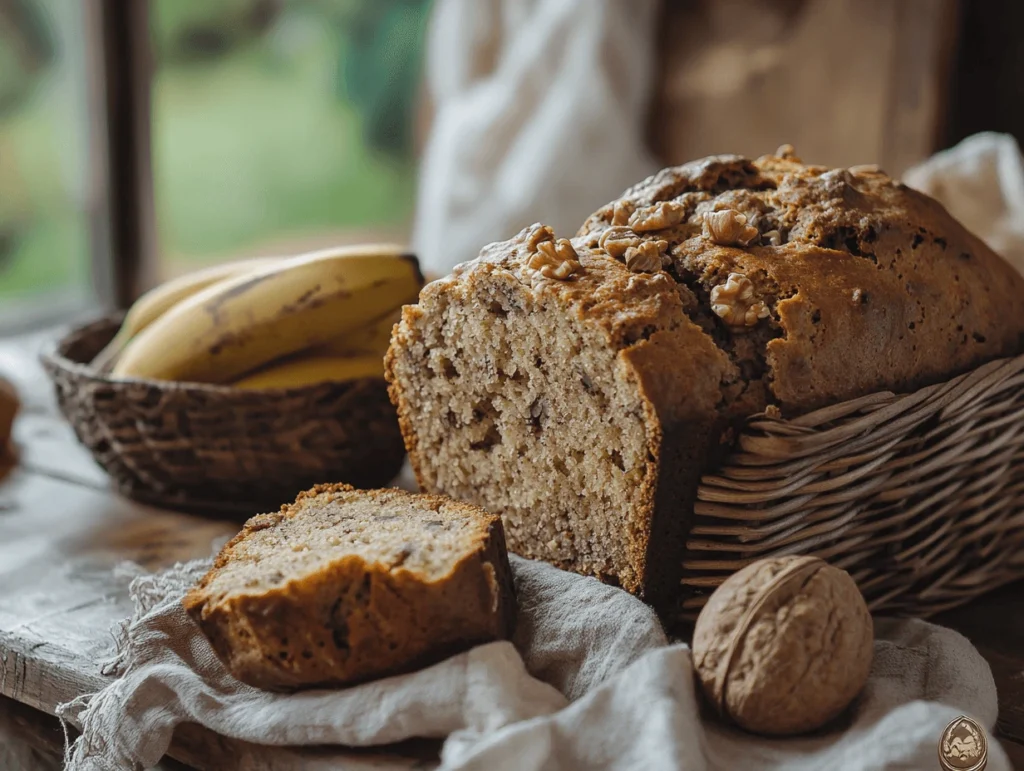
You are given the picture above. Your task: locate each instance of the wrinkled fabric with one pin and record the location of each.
(589, 681)
(981, 182)
(649, 716)
(539, 114)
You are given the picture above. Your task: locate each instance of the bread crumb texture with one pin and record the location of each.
(346, 585)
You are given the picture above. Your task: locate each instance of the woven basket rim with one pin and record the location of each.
(812, 422)
(195, 446)
(51, 356)
(917, 494)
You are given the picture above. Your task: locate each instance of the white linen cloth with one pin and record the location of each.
(539, 114)
(590, 682)
(981, 182)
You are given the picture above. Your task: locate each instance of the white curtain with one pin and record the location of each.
(540, 114)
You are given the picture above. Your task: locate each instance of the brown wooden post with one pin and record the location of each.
(119, 69)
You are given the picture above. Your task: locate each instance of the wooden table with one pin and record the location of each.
(63, 531)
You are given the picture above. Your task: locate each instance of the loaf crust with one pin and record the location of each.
(866, 285)
(873, 286)
(353, 617)
(676, 368)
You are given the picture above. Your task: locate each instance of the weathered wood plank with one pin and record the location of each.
(46, 444)
(59, 594)
(744, 76)
(31, 740)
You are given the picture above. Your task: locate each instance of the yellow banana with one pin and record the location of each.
(309, 369)
(241, 323)
(158, 300)
(374, 338)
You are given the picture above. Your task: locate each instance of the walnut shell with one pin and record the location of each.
(784, 645)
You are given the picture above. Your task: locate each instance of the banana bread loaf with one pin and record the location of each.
(346, 585)
(580, 387)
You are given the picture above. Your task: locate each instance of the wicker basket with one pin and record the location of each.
(920, 496)
(215, 448)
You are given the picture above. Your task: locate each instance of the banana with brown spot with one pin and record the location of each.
(240, 324)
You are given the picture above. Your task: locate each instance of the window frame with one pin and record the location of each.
(115, 68)
(119, 67)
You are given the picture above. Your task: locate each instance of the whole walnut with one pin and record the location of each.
(784, 645)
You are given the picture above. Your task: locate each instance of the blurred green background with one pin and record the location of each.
(277, 125)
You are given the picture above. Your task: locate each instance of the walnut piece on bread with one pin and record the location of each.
(659, 216)
(550, 258)
(646, 257)
(641, 255)
(735, 304)
(623, 211)
(617, 239)
(728, 228)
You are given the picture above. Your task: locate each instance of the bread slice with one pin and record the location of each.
(584, 404)
(347, 585)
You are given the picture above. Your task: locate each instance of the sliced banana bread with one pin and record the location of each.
(347, 585)
(580, 387)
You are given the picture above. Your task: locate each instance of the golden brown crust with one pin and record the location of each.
(642, 315)
(355, 619)
(872, 286)
(853, 283)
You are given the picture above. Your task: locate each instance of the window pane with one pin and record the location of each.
(279, 127)
(44, 238)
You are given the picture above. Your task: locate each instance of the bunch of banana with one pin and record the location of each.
(157, 301)
(270, 322)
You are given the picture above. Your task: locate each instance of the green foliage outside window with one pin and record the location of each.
(272, 119)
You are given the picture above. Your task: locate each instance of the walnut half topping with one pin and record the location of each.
(665, 214)
(551, 259)
(537, 234)
(728, 228)
(640, 255)
(616, 240)
(734, 302)
(647, 257)
(866, 168)
(787, 151)
(622, 211)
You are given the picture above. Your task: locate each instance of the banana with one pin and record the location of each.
(310, 369)
(374, 338)
(241, 323)
(158, 300)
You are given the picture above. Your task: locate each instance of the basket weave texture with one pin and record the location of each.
(919, 496)
(209, 447)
